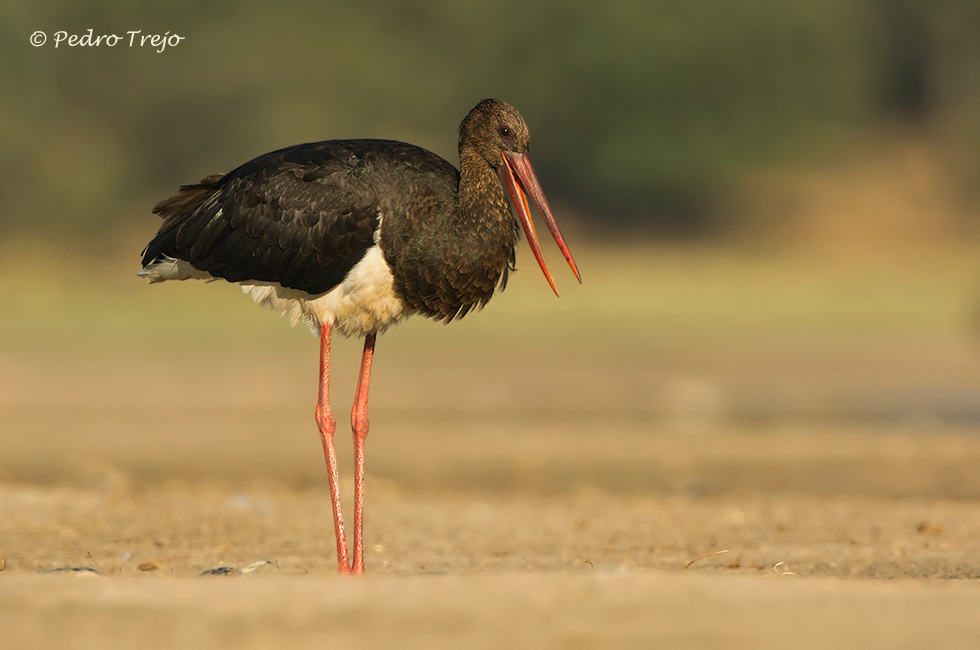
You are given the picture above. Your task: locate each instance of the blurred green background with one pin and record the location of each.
(644, 115)
(773, 204)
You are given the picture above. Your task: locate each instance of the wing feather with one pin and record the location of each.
(284, 217)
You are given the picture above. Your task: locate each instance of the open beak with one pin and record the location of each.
(520, 181)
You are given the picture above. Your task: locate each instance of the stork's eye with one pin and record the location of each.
(504, 131)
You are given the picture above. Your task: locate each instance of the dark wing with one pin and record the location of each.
(301, 216)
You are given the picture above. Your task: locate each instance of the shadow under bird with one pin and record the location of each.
(355, 235)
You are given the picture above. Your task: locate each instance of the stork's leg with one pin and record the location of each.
(359, 423)
(327, 425)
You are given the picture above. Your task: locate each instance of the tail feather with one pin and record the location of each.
(165, 267)
(187, 198)
(173, 210)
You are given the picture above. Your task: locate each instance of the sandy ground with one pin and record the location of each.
(738, 546)
(761, 476)
(488, 568)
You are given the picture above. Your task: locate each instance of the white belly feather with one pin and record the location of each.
(364, 302)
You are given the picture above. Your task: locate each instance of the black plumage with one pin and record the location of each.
(303, 216)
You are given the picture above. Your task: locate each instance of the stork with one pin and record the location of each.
(353, 236)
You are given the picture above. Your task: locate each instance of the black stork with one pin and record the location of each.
(355, 235)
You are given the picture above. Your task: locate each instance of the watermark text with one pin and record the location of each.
(132, 38)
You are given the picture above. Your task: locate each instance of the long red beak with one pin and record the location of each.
(520, 180)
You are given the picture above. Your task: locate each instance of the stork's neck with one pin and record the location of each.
(450, 257)
(480, 198)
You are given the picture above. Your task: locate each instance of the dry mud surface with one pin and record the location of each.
(631, 564)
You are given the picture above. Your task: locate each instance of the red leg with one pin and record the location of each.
(359, 423)
(327, 425)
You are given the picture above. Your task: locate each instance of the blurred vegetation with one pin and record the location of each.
(643, 113)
